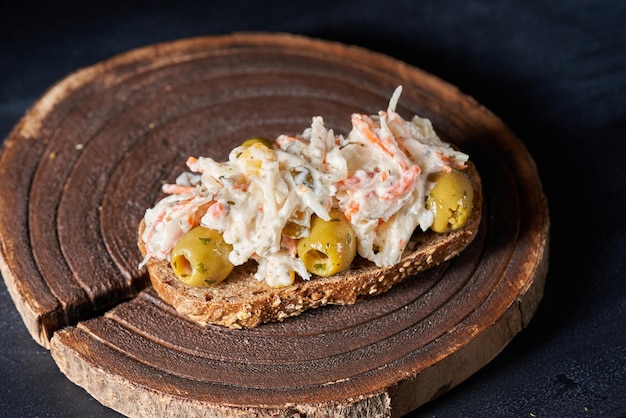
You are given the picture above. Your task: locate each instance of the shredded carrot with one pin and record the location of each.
(191, 161)
(152, 227)
(364, 124)
(403, 185)
(351, 209)
(194, 218)
(217, 209)
(283, 140)
(176, 189)
(450, 162)
(349, 182)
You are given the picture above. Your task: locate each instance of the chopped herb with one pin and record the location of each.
(349, 238)
(204, 241)
(209, 282)
(201, 268)
(302, 176)
(319, 266)
(335, 220)
(230, 202)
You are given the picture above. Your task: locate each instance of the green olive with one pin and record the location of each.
(200, 258)
(268, 143)
(295, 229)
(330, 246)
(451, 199)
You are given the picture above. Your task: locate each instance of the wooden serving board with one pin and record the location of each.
(80, 168)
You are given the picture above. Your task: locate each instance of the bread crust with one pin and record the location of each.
(241, 301)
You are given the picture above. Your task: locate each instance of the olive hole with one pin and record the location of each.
(182, 266)
(316, 259)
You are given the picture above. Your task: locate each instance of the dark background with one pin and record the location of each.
(554, 71)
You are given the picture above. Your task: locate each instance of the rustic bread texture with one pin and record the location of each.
(242, 301)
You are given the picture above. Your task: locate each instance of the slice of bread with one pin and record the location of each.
(242, 301)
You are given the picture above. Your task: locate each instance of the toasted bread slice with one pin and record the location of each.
(242, 301)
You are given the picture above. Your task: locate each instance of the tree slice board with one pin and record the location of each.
(80, 168)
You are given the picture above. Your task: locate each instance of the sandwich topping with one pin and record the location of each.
(306, 205)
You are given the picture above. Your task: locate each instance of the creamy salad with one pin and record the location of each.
(377, 175)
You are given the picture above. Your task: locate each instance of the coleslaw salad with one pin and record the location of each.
(377, 175)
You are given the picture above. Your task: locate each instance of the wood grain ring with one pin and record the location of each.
(82, 165)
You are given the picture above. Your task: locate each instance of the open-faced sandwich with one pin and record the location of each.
(298, 222)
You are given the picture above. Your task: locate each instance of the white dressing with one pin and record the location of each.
(377, 175)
